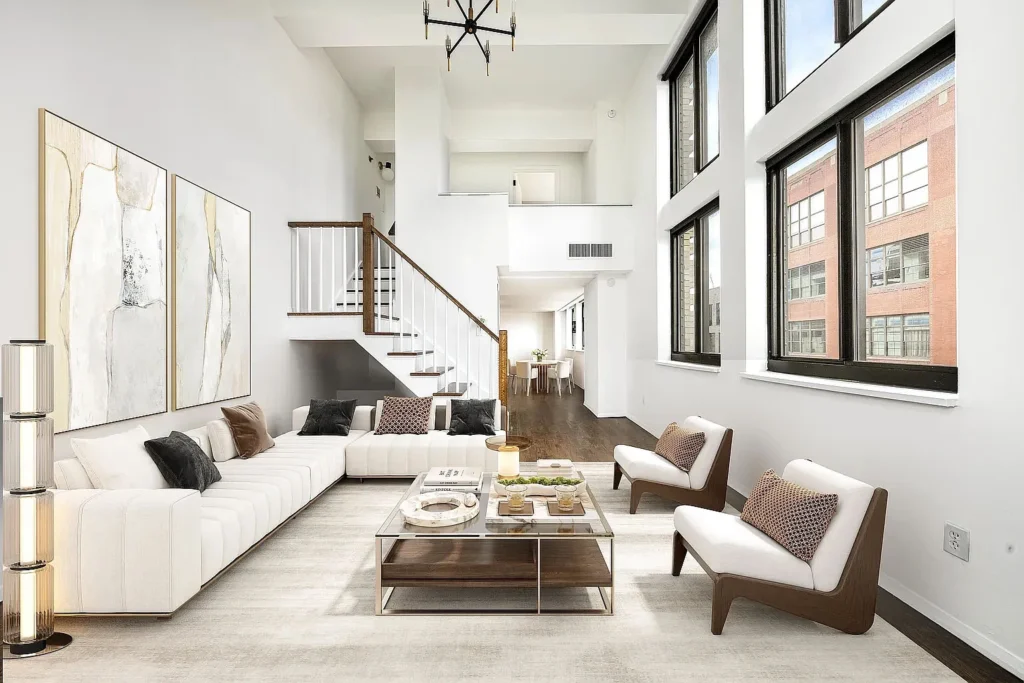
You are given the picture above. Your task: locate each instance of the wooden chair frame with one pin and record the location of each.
(849, 607)
(711, 497)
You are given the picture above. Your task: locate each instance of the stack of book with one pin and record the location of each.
(460, 479)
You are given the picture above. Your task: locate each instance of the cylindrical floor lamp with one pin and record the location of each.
(27, 368)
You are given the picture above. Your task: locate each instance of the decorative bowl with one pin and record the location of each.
(540, 489)
(413, 512)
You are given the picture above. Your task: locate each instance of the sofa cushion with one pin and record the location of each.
(854, 497)
(471, 416)
(649, 466)
(377, 455)
(182, 462)
(680, 446)
(259, 500)
(794, 515)
(201, 436)
(222, 444)
(405, 415)
(446, 408)
(287, 485)
(68, 475)
(248, 427)
(119, 461)
(329, 417)
(728, 545)
(241, 511)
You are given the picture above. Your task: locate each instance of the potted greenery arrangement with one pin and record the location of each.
(539, 354)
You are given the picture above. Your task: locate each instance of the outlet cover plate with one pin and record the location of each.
(957, 542)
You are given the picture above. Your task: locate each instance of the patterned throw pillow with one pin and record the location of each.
(680, 446)
(794, 516)
(405, 415)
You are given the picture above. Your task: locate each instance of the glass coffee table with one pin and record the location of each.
(482, 555)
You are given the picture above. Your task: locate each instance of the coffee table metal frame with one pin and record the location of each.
(478, 530)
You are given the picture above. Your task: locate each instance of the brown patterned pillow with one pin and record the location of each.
(405, 415)
(680, 446)
(794, 516)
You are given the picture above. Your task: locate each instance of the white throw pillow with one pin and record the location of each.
(222, 443)
(119, 461)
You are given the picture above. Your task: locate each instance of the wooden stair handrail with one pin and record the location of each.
(432, 281)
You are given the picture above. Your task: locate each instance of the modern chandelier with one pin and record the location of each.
(470, 26)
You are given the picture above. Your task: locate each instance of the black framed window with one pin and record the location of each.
(697, 288)
(693, 78)
(871, 297)
(803, 34)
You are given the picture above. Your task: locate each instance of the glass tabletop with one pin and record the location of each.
(478, 527)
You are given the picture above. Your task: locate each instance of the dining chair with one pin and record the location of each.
(562, 373)
(524, 373)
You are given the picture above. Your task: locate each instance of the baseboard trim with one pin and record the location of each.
(978, 659)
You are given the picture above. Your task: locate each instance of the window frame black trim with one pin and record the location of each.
(774, 44)
(701, 294)
(841, 127)
(689, 49)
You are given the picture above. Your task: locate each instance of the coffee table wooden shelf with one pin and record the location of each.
(481, 555)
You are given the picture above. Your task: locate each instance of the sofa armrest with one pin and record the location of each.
(126, 551)
(299, 417)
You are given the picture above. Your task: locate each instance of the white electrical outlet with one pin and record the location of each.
(957, 542)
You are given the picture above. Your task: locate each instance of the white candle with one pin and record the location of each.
(508, 461)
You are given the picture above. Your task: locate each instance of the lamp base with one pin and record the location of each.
(58, 641)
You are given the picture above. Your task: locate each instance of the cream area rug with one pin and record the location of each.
(300, 608)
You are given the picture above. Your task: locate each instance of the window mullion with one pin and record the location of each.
(848, 268)
(842, 21)
(699, 262)
(698, 114)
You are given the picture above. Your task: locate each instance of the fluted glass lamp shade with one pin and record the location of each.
(28, 529)
(27, 378)
(28, 605)
(28, 443)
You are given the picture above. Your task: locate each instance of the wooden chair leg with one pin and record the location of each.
(678, 553)
(616, 476)
(721, 601)
(634, 498)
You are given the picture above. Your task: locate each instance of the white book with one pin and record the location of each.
(453, 476)
(453, 489)
(554, 465)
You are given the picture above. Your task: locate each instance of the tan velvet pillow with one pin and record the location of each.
(248, 429)
(794, 516)
(680, 446)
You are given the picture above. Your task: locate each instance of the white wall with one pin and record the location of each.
(606, 180)
(528, 330)
(492, 171)
(459, 241)
(539, 237)
(605, 372)
(962, 464)
(214, 91)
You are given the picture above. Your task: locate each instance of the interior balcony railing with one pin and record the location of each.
(350, 268)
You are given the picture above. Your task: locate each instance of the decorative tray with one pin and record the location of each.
(540, 514)
(539, 489)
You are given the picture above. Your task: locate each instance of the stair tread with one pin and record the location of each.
(409, 353)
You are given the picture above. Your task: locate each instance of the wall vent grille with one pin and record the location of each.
(579, 250)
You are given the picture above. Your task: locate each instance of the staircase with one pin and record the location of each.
(350, 281)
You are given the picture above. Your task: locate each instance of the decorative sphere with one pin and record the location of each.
(470, 500)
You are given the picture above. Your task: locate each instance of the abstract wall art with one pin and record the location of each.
(211, 330)
(103, 293)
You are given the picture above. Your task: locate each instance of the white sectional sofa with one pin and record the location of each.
(142, 551)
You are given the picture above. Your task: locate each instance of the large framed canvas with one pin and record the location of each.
(102, 276)
(211, 284)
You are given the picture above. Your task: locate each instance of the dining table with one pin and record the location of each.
(542, 374)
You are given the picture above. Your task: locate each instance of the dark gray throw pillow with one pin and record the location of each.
(472, 416)
(329, 417)
(182, 462)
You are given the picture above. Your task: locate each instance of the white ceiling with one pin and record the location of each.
(569, 53)
(541, 293)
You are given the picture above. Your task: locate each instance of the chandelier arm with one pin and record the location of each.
(464, 32)
(495, 30)
(464, 15)
(482, 50)
(446, 23)
(489, 3)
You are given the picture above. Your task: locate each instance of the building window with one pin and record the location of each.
(834, 310)
(693, 77)
(805, 338)
(899, 336)
(803, 34)
(902, 262)
(807, 220)
(807, 282)
(575, 326)
(697, 288)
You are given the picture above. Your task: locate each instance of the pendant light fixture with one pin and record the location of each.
(470, 26)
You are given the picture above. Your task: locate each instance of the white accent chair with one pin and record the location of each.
(562, 373)
(703, 486)
(525, 372)
(837, 588)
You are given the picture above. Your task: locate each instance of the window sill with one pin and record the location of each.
(688, 366)
(931, 398)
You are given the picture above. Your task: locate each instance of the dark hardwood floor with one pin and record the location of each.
(561, 427)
